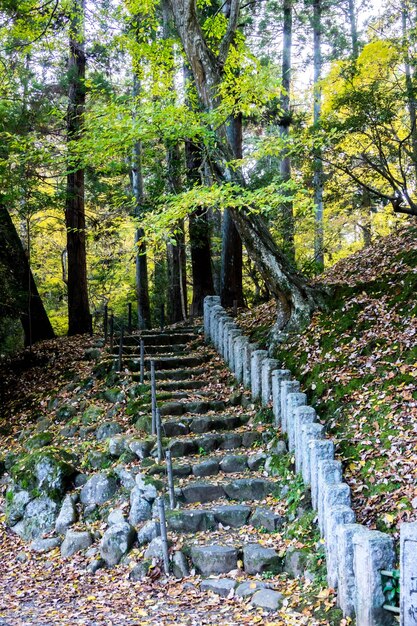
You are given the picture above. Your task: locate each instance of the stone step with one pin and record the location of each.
(160, 339)
(186, 446)
(134, 350)
(193, 424)
(175, 375)
(182, 384)
(212, 465)
(198, 407)
(222, 559)
(180, 362)
(195, 520)
(239, 489)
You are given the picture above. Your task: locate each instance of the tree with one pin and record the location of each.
(295, 297)
(79, 318)
(318, 162)
(25, 295)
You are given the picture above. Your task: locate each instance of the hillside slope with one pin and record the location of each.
(358, 364)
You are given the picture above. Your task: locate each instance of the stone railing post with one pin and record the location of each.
(249, 348)
(302, 415)
(239, 349)
(408, 574)
(336, 516)
(287, 387)
(276, 379)
(328, 473)
(268, 366)
(257, 358)
(209, 302)
(373, 552)
(320, 449)
(294, 400)
(309, 432)
(346, 593)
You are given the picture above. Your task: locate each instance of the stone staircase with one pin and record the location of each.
(219, 455)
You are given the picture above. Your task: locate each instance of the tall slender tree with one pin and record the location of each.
(285, 122)
(318, 162)
(79, 318)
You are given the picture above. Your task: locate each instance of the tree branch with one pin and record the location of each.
(231, 30)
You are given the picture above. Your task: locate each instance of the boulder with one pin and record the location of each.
(99, 489)
(180, 567)
(232, 515)
(116, 542)
(75, 542)
(142, 448)
(16, 502)
(155, 549)
(256, 461)
(39, 518)
(146, 488)
(67, 515)
(220, 586)
(46, 470)
(107, 429)
(209, 467)
(149, 531)
(265, 518)
(45, 545)
(295, 562)
(116, 517)
(191, 521)
(202, 492)
(140, 508)
(258, 559)
(267, 599)
(140, 571)
(214, 559)
(248, 489)
(233, 463)
(117, 445)
(248, 588)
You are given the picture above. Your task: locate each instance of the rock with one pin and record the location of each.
(116, 517)
(16, 502)
(80, 480)
(47, 470)
(99, 459)
(99, 489)
(256, 461)
(149, 531)
(279, 448)
(107, 429)
(75, 542)
(232, 515)
(91, 513)
(248, 489)
(180, 567)
(116, 542)
(140, 571)
(233, 463)
(39, 518)
(92, 354)
(191, 521)
(209, 467)
(143, 448)
(251, 437)
(202, 492)
(65, 412)
(67, 515)
(117, 445)
(248, 588)
(214, 559)
(231, 441)
(257, 559)
(265, 518)
(268, 599)
(113, 395)
(172, 408)
(126, 478)
(220, 586)
(294, 563)
(91, 414)
(95, 565)
(140, 508)
(45, 545)
(147, 489)
(21, 557)
(155, 549)
(40, 440)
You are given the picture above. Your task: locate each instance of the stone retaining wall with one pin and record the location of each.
(355, 555)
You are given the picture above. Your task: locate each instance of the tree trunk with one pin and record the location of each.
(296, 298)
(30, 309)
(141, 278)
(231, 288)
(411, 91)
(79, 318)
(285, 122)
(199, 232)
(318, 162)
(353, 30)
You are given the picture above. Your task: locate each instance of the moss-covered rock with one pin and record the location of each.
(46, 471)
(144, 423)
(40, 440)
(114, 395)
(65, 412)
(91, 414)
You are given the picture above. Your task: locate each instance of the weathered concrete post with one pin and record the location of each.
(373, 552)
(268, 366)
(209, 301)
(233, 334)
(247, 363)
(328, 473)
(222, 321)
(309, 432)
(276, 379)
(408, 574)
(239, 349)
(257, 358)
(218, 316)
(334, 495)
(214, 311)
(287, 386)
(227, 327)
(336, 516)
(302, 415)
(320, 449)
(346, 594)
(294, 400)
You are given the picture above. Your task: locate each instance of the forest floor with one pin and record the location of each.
(358, 364)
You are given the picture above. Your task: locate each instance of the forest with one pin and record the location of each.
(153, 153)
